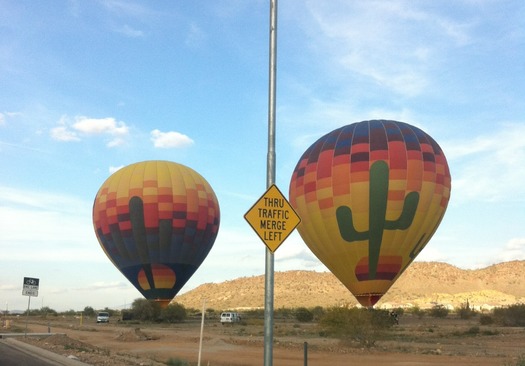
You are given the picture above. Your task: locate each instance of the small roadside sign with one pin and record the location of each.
(30, 286)
(273, 218)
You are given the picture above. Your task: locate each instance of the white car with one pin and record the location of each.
(229, 317)
(103, 317)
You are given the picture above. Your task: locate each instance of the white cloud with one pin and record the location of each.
(86, 126)
(116, 142)
(383, 41)
(431, 254)
(33, 220)
(489, 167)
(294, 253)
(14, 197)
(514, 250)
(2, 119)
(98, 126)
(105, 286)
(127, 8)
(172, 139)
(62, 133)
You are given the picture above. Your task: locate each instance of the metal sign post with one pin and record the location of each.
(30, 288)
(272, 217)
(270, 180)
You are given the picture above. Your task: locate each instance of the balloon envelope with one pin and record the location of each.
(157, 222)
(370, 196)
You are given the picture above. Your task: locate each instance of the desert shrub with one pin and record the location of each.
(439, 311)
(511, 316)
(173, 313)
(486, 320)
(475, 331)
(465, 312)
(362, 325)
(303, 315)
(255, 313)
(417, 311)
(145, 310)
(283, 313)
(177, 362)
(45, 311)
(51, 312)
(382, 319)
(318, 312)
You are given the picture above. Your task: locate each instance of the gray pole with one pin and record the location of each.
(270, 179)
(27, 315)
(202, 331)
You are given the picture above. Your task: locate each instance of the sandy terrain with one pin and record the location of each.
(426, 341)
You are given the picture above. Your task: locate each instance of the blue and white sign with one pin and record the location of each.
(30, 286)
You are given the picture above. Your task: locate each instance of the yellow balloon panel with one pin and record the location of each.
(370, 196)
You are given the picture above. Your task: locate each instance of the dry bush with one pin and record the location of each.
(365, 326)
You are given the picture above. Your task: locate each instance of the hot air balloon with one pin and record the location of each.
(370, 196)
(156, 221)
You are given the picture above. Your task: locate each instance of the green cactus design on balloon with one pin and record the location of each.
(379, 176)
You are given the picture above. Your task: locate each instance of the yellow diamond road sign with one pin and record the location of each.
(273, 218)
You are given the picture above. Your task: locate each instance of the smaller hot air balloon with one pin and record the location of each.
(370, 196)
(156, 221)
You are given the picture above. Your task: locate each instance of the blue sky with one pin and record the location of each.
(88, 87)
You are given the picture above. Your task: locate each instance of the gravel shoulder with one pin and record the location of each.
(414, 342)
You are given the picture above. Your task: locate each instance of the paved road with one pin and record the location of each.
(10, 356)
(14, 353)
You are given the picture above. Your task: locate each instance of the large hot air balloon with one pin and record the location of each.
(370, 196)
(157, 222)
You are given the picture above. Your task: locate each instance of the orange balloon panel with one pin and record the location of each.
(370, 196)
(157, 222)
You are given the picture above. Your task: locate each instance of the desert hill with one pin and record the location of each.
(423, 284)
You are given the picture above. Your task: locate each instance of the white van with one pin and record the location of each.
(103, 317)
(229, 317)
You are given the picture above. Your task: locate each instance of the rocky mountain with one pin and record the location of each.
(423, 284)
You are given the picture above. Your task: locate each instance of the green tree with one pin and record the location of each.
(145, 310)
(88, 311)
(111, 312)
(174, 313)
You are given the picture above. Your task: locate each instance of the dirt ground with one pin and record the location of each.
(426, 341)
